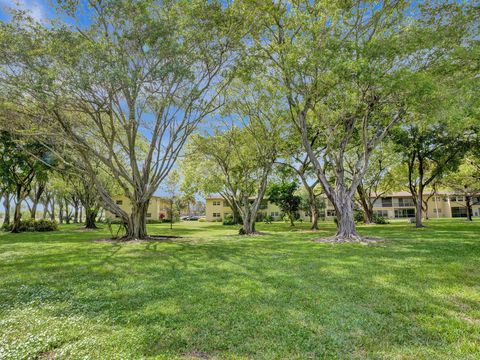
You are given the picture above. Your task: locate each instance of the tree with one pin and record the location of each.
(376, 182)
(306, 204)
(465, 181)
(284, 196)
(171, 187)
(243, 163)
(127, 89)
(21, 162)
(294, 158)
(429, 150)
(241, 154)
(7, 198)
(350, 70)
(35, 195)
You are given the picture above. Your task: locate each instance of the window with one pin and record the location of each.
(330, 212)
(119, 202)
(405, 202)
(377, 203)
(274, 214)
(382, 213)
(216, 215)
(387, 202)
(404, 213)
(445, 199)
(217, 203)
(437, 211)
(263, 205)
(459, 199)
(149, 215)
(459, 212)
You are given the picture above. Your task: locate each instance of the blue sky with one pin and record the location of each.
(39, 9)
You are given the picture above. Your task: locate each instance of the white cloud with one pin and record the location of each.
(34, 7)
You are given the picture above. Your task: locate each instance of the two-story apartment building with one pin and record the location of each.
(398, 205)
(216, 208)
(157, 208)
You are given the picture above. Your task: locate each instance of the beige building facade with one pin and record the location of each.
(216, 208)
(157, 208)
(397, 205)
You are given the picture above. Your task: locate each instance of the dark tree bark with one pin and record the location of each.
(468, 204)
(38, 191)
(137, 222)
(52, 209)
(17, 214)
(313, 216)
(60, 211)
(90, 217)
(366, 205)
(75, 213)
(419, 208)
(343, 204)
(6, 206)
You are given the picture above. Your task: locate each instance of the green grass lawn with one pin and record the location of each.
(212, 294)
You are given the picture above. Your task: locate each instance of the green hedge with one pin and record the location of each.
(34, 225)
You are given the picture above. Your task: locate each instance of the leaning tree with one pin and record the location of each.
(126, 89)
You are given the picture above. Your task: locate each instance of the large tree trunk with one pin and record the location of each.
(52, 210)
(248, 227)
(237, 218)
(343, 203)
(33, 210)
(67, 213)
(38, 192)
(75, 214)
(249, 216)
(468, 204)
(90, 216)
(314, 216)
(137, 222)
(17, 215)
(6, 206)
(46, 212)
(60, 211)
(419, 211)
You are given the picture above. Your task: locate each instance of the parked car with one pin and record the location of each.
(189, 218)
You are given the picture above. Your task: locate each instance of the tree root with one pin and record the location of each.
(128, 240)
(351, 238)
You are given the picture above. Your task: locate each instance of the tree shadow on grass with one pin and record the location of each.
(278, 295)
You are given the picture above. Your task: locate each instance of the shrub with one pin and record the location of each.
(377, 219)
(358, 216)
(155, 221)
(228, 220)
(202, 220)
(45, 225)
(34, 225)
(268, 219)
